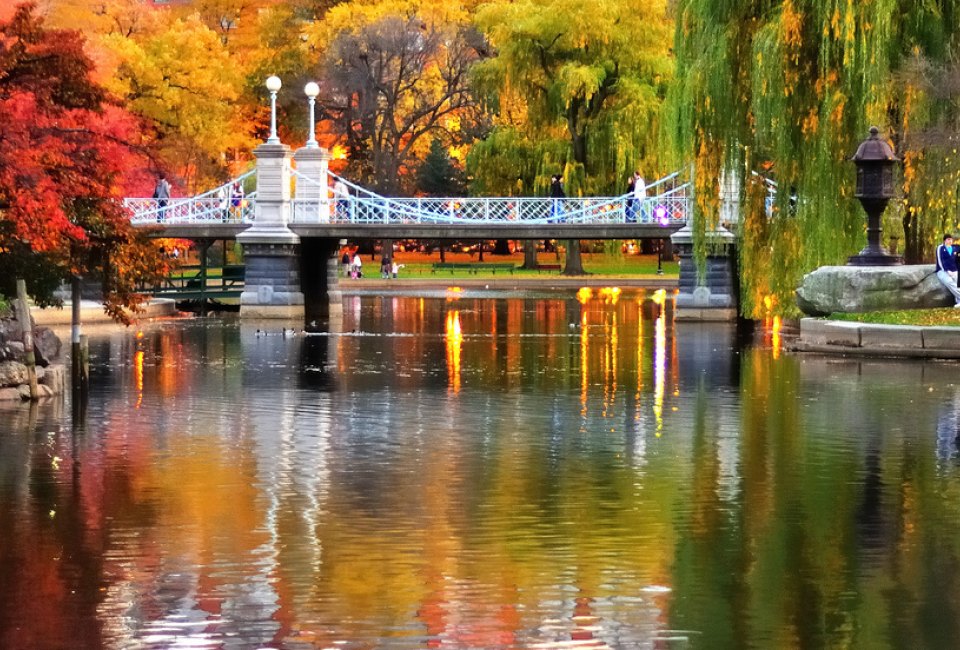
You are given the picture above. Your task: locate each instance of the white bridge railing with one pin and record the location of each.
(220, 205)
(361, 206)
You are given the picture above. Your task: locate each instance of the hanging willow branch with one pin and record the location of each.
(788, 89)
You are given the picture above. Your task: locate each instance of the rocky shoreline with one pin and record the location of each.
(48, 351)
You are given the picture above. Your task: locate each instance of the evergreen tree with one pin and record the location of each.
(438, 175)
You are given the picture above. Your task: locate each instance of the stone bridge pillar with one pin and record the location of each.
(271, 250)
(715, 297)
(313, 163)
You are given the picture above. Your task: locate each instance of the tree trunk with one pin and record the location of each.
(529, 254)
(574, 263)
(501, 247)
(386, 249)
(580, 148)
(480, 249)
(911, 241)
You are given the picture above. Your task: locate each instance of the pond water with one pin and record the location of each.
(458, 471)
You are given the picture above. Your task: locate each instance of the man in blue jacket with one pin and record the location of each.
(947, 268)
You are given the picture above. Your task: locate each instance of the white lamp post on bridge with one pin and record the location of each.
(273, 85)
(311, 90)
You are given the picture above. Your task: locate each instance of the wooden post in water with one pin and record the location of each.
(84, 365)
(78, 371)
(23, 315)
(204, 249)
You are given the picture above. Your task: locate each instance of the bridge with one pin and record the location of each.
(316, 210)
(290, 225)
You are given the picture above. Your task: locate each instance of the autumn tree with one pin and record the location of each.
(184, 83)
(393, 75)
(64, 151)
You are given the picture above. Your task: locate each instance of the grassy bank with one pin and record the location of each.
(419, 265)
(946, 317)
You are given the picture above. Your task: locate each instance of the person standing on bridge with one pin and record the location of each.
(162, 194)
(639, 194)
(341, 196)
(556, 193)
(630, 210)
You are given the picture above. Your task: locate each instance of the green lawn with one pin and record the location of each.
(631, 266)
(948, 317)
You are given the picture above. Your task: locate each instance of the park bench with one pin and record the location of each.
(233, 275)
(548, 267)
(471, 267)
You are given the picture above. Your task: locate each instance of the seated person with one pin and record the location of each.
(947, 268)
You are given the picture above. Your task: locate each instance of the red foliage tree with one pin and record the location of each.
(64, 155)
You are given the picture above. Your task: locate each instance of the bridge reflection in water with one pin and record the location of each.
(464, 472)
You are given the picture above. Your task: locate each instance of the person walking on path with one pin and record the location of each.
(630, 207)
(356, 271)
(947, 268)
(345, 262)
(162, 194)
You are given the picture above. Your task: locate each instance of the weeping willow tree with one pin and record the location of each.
(930, 125)
(786, 90)
(590, 76)
(575, 86)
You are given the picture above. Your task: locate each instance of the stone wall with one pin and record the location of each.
(47, 349)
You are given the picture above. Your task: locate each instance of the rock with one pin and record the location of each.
(11, 329)
(24, 391)
(46, 346)
(11, 351)
(44, 391)
(8, 394)
(12, 373)
(847, 289)
(54, 376)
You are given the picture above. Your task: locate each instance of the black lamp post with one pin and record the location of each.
(874, 160)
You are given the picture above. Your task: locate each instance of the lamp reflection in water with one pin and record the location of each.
(775, 337)
(583, 297)
(772, 326)
(454, 340)
(610, 296)
(138, 369)
(659, 359)
(640, 301)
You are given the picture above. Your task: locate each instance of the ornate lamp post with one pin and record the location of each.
(273, 85)
(874, 160)
(311, 90)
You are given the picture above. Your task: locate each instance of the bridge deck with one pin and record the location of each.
(215, 230)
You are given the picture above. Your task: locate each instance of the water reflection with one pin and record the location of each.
(535, 472)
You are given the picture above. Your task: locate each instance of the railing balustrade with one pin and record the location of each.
(362, 206)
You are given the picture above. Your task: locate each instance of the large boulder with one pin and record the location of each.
(46, 346)
(846, 289)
